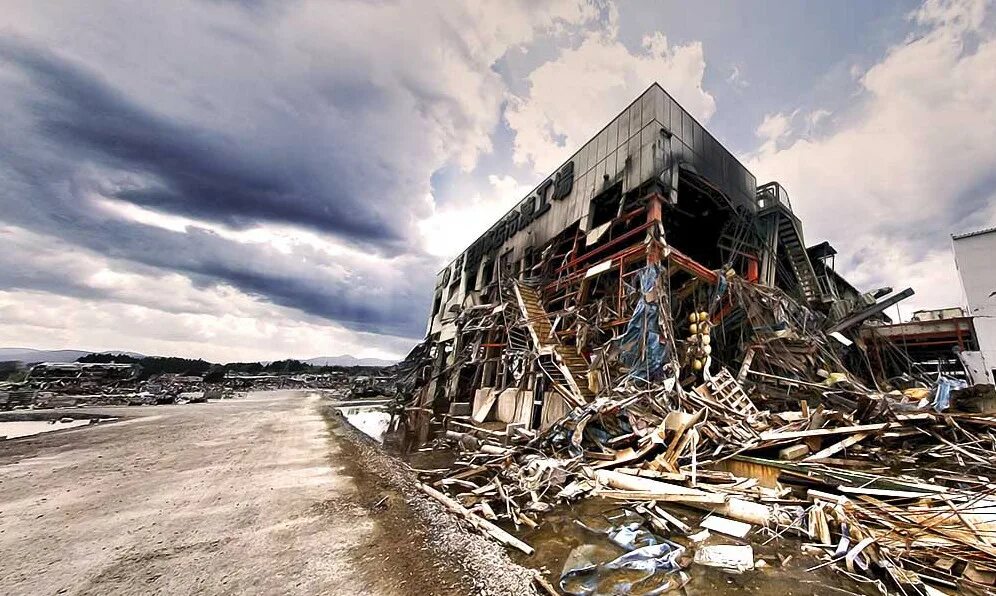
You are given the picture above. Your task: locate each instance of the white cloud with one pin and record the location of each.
(453, 227)
(736, 78)
(585, 86)
(387, 92)
(908, 164)
(773, 129)
(100, 304)
(817, 116)
(262, 332)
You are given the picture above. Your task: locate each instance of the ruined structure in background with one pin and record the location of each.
(958, 342)
(649, 326)
(650, 223)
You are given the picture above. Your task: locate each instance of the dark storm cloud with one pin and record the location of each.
(199, 173)
(394, 301)
(67, 121)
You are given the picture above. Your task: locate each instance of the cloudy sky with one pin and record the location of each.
(262, 179)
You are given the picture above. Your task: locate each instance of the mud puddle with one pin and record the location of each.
(559, 533)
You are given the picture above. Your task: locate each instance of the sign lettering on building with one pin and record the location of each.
(532, 208)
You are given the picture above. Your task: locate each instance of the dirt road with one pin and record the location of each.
(244, 496)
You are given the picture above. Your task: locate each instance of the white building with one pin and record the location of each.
(975, 258)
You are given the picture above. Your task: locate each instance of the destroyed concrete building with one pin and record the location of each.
(81, 376)
(557, 276)
(649, 327)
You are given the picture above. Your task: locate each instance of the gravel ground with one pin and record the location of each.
(484, 564)
(262, 495)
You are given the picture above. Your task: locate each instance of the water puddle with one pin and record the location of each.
(371, 420)
(27, 428)
(560, 534)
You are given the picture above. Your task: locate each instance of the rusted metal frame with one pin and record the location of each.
(949, 336)
(923, 344)
(620, 284)
(703, 273)
(630, 215)
(578, 275)
(692, 267)
(962, 324)
(577, 260)
(727, 307)
(655, 215)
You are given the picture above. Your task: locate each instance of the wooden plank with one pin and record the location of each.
(642, 495)
(822, 432)
(478, 522)
(674, 521)
(840, 430)
(883, 492)
(851, 440)
(730, 527)
(793, 452)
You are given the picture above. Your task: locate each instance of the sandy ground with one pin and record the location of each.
(247, 496)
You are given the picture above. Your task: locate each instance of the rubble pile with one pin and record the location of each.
(720, 396)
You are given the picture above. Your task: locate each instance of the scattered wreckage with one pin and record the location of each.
(671, 348)
(70, 384)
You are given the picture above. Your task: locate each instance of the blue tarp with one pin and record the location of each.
(642, 350)
(941, 392)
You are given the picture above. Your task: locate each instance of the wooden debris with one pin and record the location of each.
(485, 526)
(730, 527)
(793, 452)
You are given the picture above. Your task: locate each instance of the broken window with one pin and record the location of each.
(488, 275)
(605, 206)
(471, 284)
(436, 303)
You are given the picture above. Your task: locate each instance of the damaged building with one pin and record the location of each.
(526, 322)
(959, 342)
(649, 328)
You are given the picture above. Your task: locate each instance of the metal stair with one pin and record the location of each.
(779, 221)
(517, 333)
(566, 370)
(790, 238)
(535, 315)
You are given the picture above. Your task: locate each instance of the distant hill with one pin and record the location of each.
(347, 360)
(31, 356)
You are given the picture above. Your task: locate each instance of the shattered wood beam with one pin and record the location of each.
(774, 435)
(479, 523)
(851, 440)
(748, 511)
(645, 495)
(682, 526)
(822, 432)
